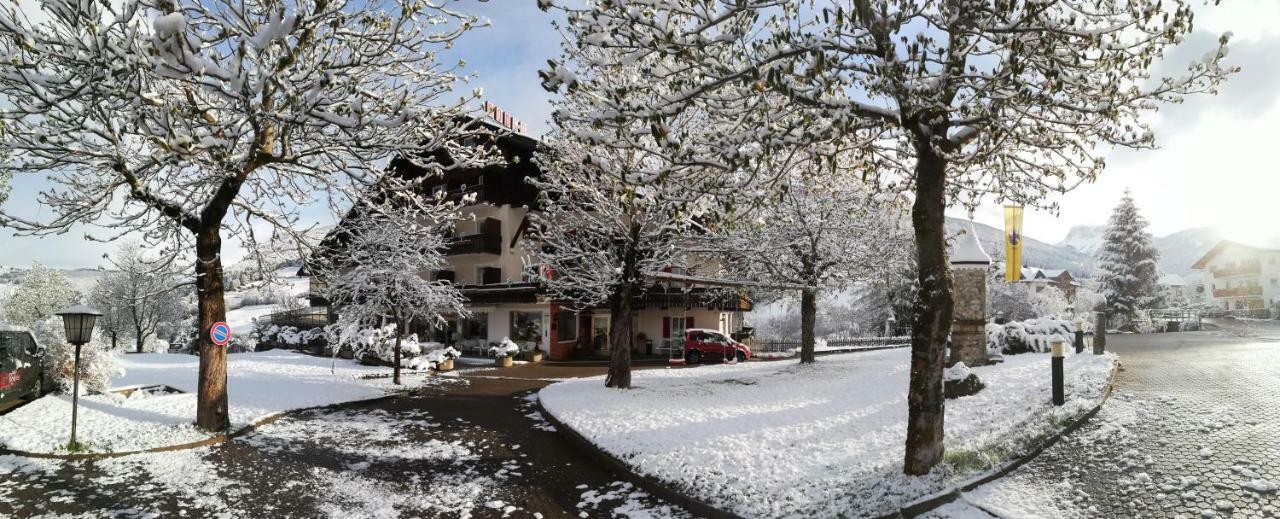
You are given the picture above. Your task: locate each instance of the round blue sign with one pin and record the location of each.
(220, 333)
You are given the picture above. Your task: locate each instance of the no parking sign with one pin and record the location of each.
(220, 333)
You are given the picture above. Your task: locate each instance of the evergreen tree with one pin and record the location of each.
(1126, 268)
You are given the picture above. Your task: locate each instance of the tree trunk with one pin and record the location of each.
(932, 320)
(211, 400)
(808, 321)
(395, 369)
(620, 340)
(139, 338)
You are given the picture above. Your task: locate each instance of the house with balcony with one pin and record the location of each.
(1239, 277)
(490, 263)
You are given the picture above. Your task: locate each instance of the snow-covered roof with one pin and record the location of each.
(1172, 280)
(968, 250)
(12, 328)
(1222, 245)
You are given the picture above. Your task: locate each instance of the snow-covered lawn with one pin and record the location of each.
(259, 385)
(784, 440)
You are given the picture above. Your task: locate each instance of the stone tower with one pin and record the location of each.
(968, 328)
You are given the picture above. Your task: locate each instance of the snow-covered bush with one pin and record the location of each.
(434, 357)
(1033, 335)
(370, 343)
(98, 362)
(506, 348)
(960, 381)
(276, 336)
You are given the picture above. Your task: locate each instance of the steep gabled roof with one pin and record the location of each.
(1222, 245)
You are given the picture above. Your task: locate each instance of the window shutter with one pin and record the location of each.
(666, 327)
(688, 323)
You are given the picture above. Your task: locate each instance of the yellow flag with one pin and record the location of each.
(1012, 243)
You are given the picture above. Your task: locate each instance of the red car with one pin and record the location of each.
(700, 345)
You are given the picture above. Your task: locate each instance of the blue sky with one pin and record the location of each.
(1214, 167)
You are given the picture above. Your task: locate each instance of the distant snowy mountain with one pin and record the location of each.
(1035, 253)
(1084, 239)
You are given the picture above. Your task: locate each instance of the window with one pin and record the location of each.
(8, 351)
(476, 327)
(566, 327)
(678, 326)
(526, 328)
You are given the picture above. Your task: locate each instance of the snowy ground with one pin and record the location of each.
(784, 440)
(437, 455)
(259, 385)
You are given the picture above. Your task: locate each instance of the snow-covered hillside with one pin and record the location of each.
(259, 298)
(1035, 253)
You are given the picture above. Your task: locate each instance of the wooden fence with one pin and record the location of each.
(833, 345)
(302, 319)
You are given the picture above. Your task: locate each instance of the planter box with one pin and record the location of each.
(446, 365)
(503, 362)
(531, 356)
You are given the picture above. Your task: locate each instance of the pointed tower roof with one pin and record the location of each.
(968, 250)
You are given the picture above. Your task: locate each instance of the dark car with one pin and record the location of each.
(701, 345)
(21, 376)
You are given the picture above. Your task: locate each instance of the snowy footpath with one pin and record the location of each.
(259, 385)
(1191, 431)
(784, 440)
(471, 449)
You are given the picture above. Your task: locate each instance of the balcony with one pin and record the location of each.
(697, 298)
(1252, 267)
(1238, 292)
(482, 243)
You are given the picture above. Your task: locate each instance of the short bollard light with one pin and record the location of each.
(1059, 350)
(1099, 333)
(1079, 335)
(78, 321)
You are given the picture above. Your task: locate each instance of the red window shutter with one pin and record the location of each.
(688, 323)
(666, 327)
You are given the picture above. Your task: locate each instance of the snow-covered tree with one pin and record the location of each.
(1127, 267)
(99, 361)
(1014, 100)
(137, 297)
(192, 121)
(43, 292)
(824, 231)
(608, 216)
(378, 269)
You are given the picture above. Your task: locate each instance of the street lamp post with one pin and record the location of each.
(78, 320)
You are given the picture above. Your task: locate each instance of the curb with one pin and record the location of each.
(933, 501)
(212, 440)
(651, 485)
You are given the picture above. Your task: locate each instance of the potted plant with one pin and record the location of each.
(442, 359)
(534, 355)
(504, 353)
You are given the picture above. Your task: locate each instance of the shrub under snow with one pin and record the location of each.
(1032, 335)
(98, 363)
(505, 349)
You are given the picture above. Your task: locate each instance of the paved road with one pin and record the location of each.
(1192, 430)
(476, 448)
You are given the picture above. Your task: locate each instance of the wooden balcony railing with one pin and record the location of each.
(1237, 270)
(476, 244)
(1238, 292)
